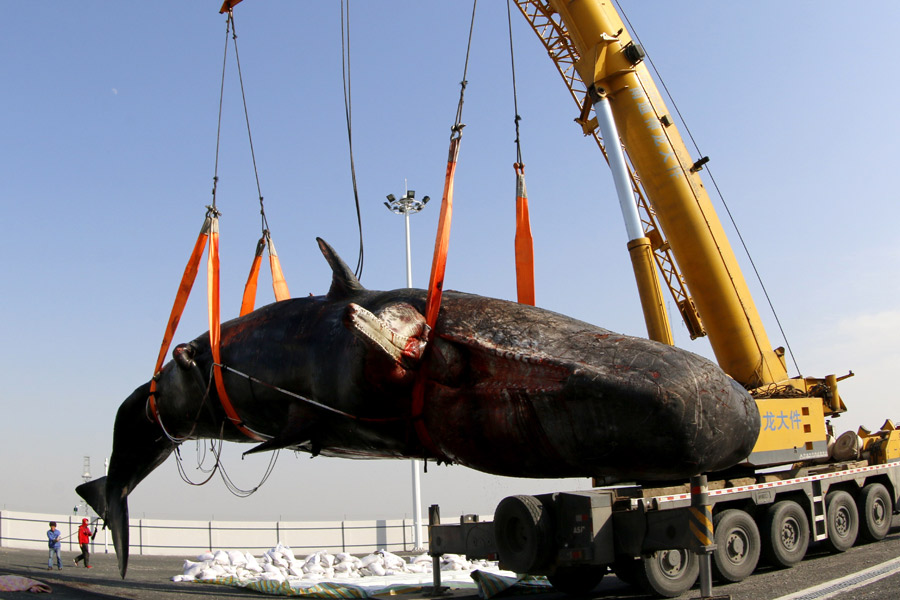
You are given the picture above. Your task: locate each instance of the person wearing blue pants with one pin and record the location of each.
(53, 542)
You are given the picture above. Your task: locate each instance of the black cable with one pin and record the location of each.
(512, 60)
(219, 123)
(456, 130)
(237, 58)
(348, 112)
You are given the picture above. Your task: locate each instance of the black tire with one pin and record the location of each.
(875, 509)
(576, 580)
(785, 534)
(738, 545)
(843, 521)
(523, 532)
(668, 573)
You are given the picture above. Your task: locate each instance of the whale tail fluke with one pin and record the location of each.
(113, 509)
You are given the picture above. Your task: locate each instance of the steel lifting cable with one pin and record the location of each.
(279, 285)
(524, 243)
(348, 113)
(441, 245)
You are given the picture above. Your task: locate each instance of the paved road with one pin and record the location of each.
(150, 577)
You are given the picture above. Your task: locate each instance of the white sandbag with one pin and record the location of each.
(270, 568)
(221, 557)
(376, 568)
(178, 578)
(273, 576)
(192, 568)
(312, 559)
(370, 559)
(343, 557)
(207, 575)
(237, 558)
(327, 560)
(205, 557)
(391, 560)
(343, 567)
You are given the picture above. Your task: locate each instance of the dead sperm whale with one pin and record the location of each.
(497, 386)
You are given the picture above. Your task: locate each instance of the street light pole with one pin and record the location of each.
(406, 206)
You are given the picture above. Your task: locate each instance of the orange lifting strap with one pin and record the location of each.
(279, 285)
(184, 290)
(524, 241)
(442, 240)
(436, 284)
(215, 330)
(210, 232)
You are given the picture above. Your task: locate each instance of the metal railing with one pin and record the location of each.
(169, 537)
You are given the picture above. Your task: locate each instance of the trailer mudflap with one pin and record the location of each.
(584, 530)
(640, 532)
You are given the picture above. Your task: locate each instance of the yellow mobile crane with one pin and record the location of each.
(826, 490)
(593, 45)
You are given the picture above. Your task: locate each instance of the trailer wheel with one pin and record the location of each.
(786, 534)
(577, 580)
(843, 521)
(876, 507)
(523, 532)
(668, 573)
(737, 545)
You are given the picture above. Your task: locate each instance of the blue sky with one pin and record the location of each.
(107, 150)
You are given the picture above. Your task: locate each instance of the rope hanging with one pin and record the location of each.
(441, 246)
(524, 243)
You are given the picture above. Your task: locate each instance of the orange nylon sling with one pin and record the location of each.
(524, 242)
(209, 232)
(279, 285)
(436, 286)
(215, 330)
(249, 299)
(439, 260)
(184, 291)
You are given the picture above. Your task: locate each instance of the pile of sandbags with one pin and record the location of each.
(280, 564)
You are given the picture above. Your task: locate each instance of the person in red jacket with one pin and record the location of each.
(84, 538)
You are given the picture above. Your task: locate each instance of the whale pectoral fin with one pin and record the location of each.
(298, 430)
(401, 335)
(292, 437)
